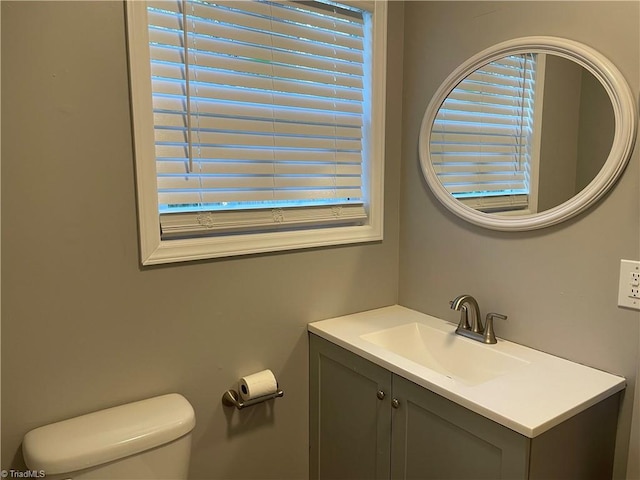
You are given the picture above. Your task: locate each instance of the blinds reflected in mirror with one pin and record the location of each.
(482, 143)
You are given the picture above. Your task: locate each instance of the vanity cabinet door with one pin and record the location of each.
(434, 438)
(350, 415)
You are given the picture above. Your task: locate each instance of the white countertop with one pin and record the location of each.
(530, 401)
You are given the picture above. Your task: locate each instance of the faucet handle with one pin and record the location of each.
(489, 335)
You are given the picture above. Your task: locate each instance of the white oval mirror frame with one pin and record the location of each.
(625, 117)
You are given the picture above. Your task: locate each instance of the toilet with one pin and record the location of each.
(149, 439)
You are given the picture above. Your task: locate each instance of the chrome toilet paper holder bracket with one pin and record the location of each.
(230, 398)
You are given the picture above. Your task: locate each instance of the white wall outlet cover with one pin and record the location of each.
(629, 284)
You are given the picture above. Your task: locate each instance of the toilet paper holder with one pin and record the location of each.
(230, 398)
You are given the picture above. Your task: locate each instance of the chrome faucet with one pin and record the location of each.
(468, 307)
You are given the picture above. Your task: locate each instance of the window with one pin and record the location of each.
(258, 125)
(483, 143)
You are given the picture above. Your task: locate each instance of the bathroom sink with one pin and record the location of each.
(521, 388)
(456, 357)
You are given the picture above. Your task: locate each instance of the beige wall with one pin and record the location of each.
(558, 285)
(633, 469)
(83, 326)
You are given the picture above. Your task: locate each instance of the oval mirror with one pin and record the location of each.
(527, 133)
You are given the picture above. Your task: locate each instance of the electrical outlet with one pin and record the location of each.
(629, 284)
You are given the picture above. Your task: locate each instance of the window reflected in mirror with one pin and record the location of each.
(522, 134)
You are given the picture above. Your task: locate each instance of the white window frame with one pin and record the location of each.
(155, 250)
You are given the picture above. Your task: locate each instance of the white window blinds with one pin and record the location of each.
(481, 140)
(260, 112)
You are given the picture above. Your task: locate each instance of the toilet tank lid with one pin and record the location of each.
(108, 435)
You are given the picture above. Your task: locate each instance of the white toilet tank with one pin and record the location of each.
(149, 439)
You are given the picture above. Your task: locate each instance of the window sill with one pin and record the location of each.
(158, 251)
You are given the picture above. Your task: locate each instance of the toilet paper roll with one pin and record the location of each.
(257, 385)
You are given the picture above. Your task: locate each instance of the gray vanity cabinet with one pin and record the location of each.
(367, 423)
(436, 439)
(350, 422)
